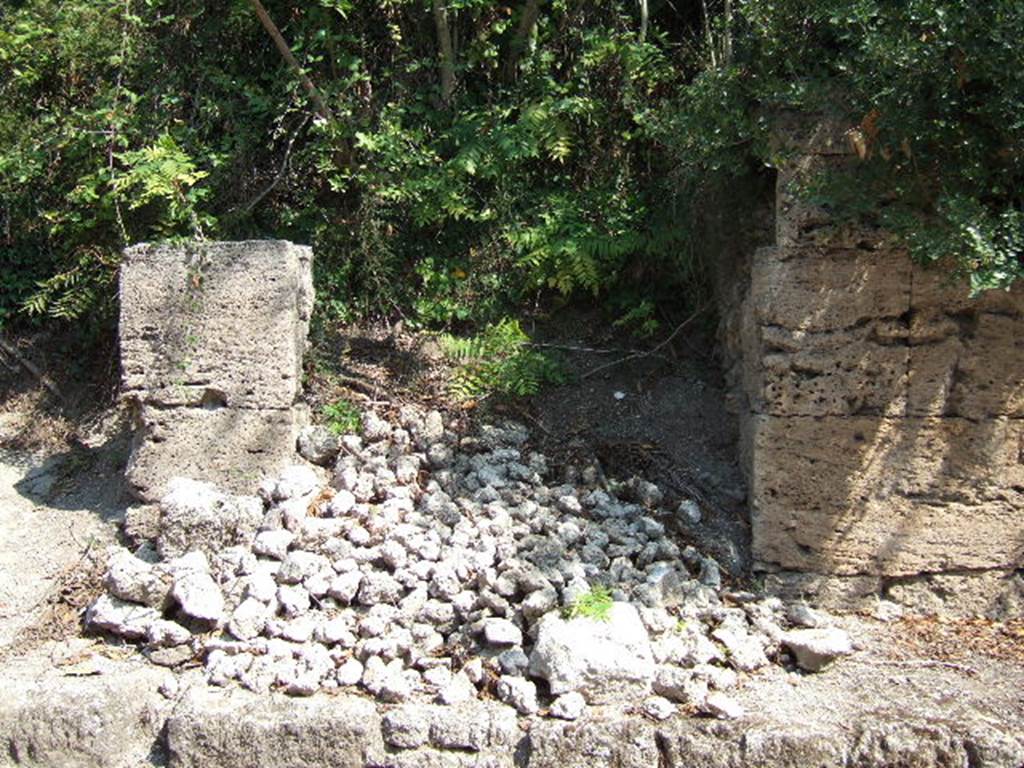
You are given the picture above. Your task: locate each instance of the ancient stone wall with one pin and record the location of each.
(882, 412)
(212, 336)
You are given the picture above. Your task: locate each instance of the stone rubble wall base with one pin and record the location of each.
(212, 337)
(117, 720)
(881, 407)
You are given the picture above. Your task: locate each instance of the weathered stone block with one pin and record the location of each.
(813, 289)
(856, 371)
(229, 447)
(219, 324)
(237, 730)
(875, 495)
(969, 365)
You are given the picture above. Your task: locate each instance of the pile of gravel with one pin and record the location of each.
(429, 565)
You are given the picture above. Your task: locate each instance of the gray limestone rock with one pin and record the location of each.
(680, 685)
(406, 727)
(167, 634)
(273, 543)
(249, 619)
(502, 632)
(459, 690)
(718, 704)
(318, 445)
(743, 650)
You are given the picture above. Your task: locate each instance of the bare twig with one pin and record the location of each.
(647, 353)
(282, 171)
(31, 367)
(589, 350)
(919, 663)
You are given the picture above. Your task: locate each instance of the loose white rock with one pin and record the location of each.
(519, 693)
(249, 619)
(127, 620)
(502, 632)
(350, 672)
(658, 708)
(600, 659)
(273, 543)
(199, 596)
(568, 706)
(724, 707)
(459, 690)
(815, 649)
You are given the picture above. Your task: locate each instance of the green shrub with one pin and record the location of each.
(342, 417)
(499, 360)
(595, 604)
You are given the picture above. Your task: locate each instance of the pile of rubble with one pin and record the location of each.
(438, 566)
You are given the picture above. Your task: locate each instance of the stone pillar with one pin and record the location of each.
(212, 337)
(882, 412)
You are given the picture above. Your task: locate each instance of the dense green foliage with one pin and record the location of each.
(477, 153)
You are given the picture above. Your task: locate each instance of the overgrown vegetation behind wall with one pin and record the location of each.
(460, 157)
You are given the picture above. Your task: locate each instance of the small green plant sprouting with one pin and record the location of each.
(342, 417)
(498, 360)
(595, 604)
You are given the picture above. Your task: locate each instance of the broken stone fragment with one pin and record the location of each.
(815, 649)
(350, 672)
(745, 652)
(167, 634)
(273, 543)
(124, 619)
(680, 685)
(249, 619)
(295, 482)
(520, 693)
(459, 690)
(599, 659)
(802, 615)
(135, 580)
(198, 595)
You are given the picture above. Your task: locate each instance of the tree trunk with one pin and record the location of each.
(521, 40)
(446, 51)
(707, 34)
(286, 52)
(643, 20)
(727, 39)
